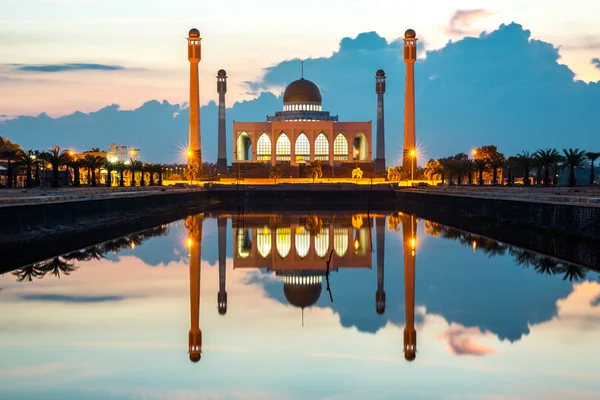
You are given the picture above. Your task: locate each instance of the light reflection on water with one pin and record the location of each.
(303, 306)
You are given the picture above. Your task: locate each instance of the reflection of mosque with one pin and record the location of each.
(297, 249)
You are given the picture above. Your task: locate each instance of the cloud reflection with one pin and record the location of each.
(461, 342)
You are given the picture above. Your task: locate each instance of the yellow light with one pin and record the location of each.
(412, 253)
(413, 243)
(413, 153)
(474, 152)
(474, 245)
(189, 153)
(132, 245)
(190, 242)
(356, 244)
(71, 153)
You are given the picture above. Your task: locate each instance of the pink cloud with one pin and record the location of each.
(461, 343)
(461, 21)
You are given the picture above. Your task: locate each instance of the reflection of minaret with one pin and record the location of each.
(380, 295)
(194, 243)
(409, 236)
(222, 296)
(194, 56)
(380, 150)
(222, 151)
(410, 56)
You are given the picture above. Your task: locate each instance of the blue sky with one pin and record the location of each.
(62, 56)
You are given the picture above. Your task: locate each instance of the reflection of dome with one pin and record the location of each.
(302, 91)
(194, 33)
(380, 74)
(410, 356)
(302, 291)
(222, 72)
(195, 357)
(410, 33)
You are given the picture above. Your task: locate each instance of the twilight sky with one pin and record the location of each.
(62, 56)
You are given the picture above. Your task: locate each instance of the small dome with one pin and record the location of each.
(410, 356)
(222, 72)
(302, 91)
(194, 33)
(380, 309)
(302, 295)
(380, 73)
(410, 33)
(195, 357)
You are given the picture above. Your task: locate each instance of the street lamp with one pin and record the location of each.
(413, 154)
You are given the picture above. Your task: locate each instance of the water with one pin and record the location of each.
(116, 320)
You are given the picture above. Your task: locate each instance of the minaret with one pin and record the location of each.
(380, 151)
(409, 235)
(222, 89)
(380, 295)
(194, 55)
(222, 296)
(194, 243)
(410, 56)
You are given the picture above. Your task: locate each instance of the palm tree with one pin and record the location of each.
(481, 166)
(557, 167)
(110, 167)
(496, 163)
(121, 167)
(592, 156)
(433, 170)
(574, 158)
(572, 272)
(76, 164)
(28, 273)
(143, 171)
(545, 266)
(10, 152)
(524, 161)
(57, 265)
(523, 257)
(274, 173)
(27, 158)
(313, 170)
(57, 159)
(37, 162)
(94, 163)
(546, 158)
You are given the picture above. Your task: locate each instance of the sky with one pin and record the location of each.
(63, 56)
(132, 342)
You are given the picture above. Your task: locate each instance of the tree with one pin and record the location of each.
(313, 170)
(274, 173)
(121, 167)
(27, 159)
(481, 166)
(192, 171)
(592, 156)
(524, 161)
(394, 173)
(9, 151)
(547, 158)
(57, 159)
(494, 159)
(574, 159)
(357, 173)
(433, 170)
(511, 166)
(461, 166)
(93, 163)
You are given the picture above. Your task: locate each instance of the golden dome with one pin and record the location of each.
(195, 357)
(194, 33)
(410, 33)
(410, 356)
(222, 72)
(302, 294)
(302, 91)
(380, 74)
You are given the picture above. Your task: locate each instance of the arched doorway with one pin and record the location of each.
(322, 148)
(340, 148)
(360, 143)
(244, 147)
(263, 148)
(302, 148)
(283, 148)
(244, 242)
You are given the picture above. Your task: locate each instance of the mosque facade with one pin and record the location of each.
(303, 132)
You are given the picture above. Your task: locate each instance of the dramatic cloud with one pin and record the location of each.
(462, 20)
(460, 341)
(596, 62)
(68, 67)
(501, 87)
(59, 298)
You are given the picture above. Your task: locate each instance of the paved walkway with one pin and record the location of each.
(582, 196)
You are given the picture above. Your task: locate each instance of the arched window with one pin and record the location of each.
(340, 148)
(263, 241)
(263, 148)
(322, 148)
(244, 242)
(302, 242)
(283, 148)
(244, 147)
(322, 242)
(340, 241)
(302, 148)
(283, 241)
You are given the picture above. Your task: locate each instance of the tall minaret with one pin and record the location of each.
(380, 295)
(409, 236)
(380, 151)
(194, 55)
(222, 89)
(410, 56)
(194, 243)
(222, 296)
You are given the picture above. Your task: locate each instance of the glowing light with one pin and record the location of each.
(413, 153)
(413, 243)
(71, 153)
(190, 242)
(474, 152)
(189, 153)
(474, 246)
(356, 244)
(132, 245)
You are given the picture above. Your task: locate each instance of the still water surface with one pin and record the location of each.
(304, 306)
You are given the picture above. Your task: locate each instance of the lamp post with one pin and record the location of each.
(356, 153)
(413, 154)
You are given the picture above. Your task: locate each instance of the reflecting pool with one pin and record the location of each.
(300, 306)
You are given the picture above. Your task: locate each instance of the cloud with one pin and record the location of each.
(68, 67)
(585, 43)
(461, 343)
(596, 62)
(462, 20)
(60, 298)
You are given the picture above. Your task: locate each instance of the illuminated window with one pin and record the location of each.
(283, 241)
(322, 148)
(340, 241)
(283, 148)
(263, 241)
(302, 148)
(322, 243)
(302, 242)
(340, 148)
(244, 242)
(263, 148)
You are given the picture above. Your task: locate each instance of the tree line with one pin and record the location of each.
(542, 167)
